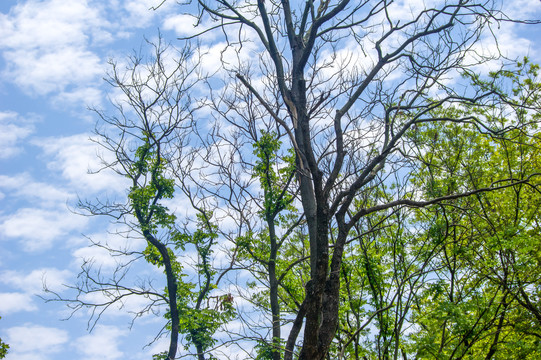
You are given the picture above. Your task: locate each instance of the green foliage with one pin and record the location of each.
(488, 265)
(275, 172)
(3, 349)
(459, 279)
(294, 281)
(272, 175)
(199, 323)
(144, 197)
(160, 356)
(378, 262)
(198, 320)
(264, 351)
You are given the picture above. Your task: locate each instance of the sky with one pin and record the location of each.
(53, 57)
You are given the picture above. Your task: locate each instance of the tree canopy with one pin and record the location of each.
(348, 184)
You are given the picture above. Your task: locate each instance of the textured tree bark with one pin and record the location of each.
(273, 281)
(172, 292)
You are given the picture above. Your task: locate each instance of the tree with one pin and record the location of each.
(478, 307)
(147, 136)
(276, 199)
(347, 117)
(328, 155)
(438, 273)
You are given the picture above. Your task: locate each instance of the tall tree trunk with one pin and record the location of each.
(273, 281)
(172, 292)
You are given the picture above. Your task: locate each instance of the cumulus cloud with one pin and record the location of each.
(45, 73)
(74, 157)
(140, 13)
(23, 186)
(32, 282)
(85, 95)
(102, 258)
(182, 24)
(13, 129)
(522, 9)
(46, 44)
(156, 347)
(45, 341)
(101, 344)
(38, 229)
(12, 302)
(506, 40)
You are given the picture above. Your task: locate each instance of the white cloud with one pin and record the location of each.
(182, 24)
(89, 96)
(102, 344)
(506, 40)
(32, 283)
(54, 47)
(22, 185)
(35, 342)
(140, 13)
(46, 44)
(405, 10)
(14, 302)
(13, 129)
(45, 73)
(126, 308)
(50, 24)
(99, 257)
(214, 59)
(39, 229)
(522, 9)
(74, 156)
(156, 347)
(107, 263)
(29, 356)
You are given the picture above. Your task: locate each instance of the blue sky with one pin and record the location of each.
(53, 56)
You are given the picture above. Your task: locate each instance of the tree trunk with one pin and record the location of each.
(273, 281)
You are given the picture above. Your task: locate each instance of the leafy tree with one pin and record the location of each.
(429, 281)
(331, 66)
(361, 233)
(276, 198)
(487, 270)
(147, 136)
